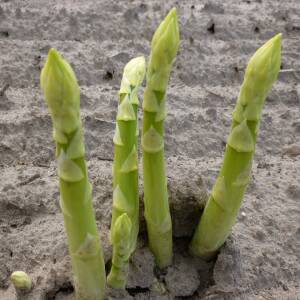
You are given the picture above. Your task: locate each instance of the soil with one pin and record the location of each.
(260, 260)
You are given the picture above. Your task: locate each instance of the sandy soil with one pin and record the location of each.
(261, 258)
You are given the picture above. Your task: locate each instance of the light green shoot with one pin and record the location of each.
(125, 168)
(62, 95)
(164, 47)
(21, 280)
(227, 194)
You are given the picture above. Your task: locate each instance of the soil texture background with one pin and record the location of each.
(260, 260)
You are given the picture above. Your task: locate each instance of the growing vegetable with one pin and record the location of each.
(164, 46)
(21, 281)
(125, 172)
(62, 95)
(223, 206)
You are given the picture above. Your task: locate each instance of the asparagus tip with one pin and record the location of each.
(21, 280)
(54, 55)
(61, 91)
(173, 12)
(134, 73)
(122, 227)
(278, 36)
(264, 65)
(167, 35)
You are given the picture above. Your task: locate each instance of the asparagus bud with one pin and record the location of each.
(21, 280)
(164, 47)
(62, 95)
(125, 167)
(122, 232)
(223, 206)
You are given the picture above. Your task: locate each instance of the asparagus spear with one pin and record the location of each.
(125, 167)
(62, 95)
(164, 46)
(21, 281)
(223, 206)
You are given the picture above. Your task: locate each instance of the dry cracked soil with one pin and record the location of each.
(260, 260)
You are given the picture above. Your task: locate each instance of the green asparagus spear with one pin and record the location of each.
(164, 47)
(125, 168)
(223, 206)
(21, 280)
(121, 239)
(62, 95)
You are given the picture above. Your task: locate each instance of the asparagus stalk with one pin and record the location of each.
(125, 167)
(62, 95)
(223, 206)
(164, 46)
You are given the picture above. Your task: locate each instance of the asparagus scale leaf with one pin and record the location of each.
(62, 95)
(125, 173)
(227, 194)
(164, 46)
(121, 235)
